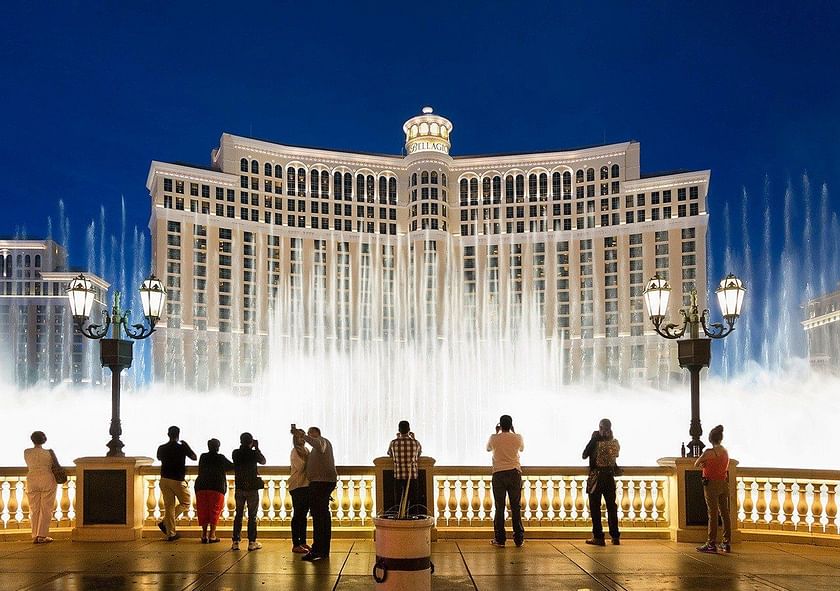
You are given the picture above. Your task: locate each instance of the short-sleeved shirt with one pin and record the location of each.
(405, 450)
(173, 457)
(506, 446)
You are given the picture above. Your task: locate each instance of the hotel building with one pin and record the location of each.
(822, 326)
(347, 245)
(37, 341)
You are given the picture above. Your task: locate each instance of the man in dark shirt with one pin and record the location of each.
(320, 470)
(173, 471)
(248, 487)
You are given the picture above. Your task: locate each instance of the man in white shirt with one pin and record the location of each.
(507, 480)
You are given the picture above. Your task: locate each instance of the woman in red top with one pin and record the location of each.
(715, 464)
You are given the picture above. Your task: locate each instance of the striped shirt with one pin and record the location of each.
(405, 450)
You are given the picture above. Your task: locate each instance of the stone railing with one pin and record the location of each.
(788, 504)
(772, 503)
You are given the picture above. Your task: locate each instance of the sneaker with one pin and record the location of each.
(203, 540)
(161, 527)
(312, 557)
(616, 542)
(308, 547)
(707, 548)
(254, 545)
(596, 542)
(497, 543)
(725, 548)
(300, 550)
(213, 540)
(519, 543)
(42, 540)
(235, 545)
(173, 537)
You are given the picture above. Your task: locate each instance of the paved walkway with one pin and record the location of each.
(460, 565)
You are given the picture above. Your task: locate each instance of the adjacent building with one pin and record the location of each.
(273, 240)
(822, 327)
(38, 343)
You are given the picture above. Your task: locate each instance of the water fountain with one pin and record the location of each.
(453, 384)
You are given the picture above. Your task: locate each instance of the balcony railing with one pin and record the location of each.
(777, 503)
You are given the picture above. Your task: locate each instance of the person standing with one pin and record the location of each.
(298, 485)
(40, 487)
(506, 445)
(248, 486)
(173, 471)
(405, 450)
(715, 464)
(320, 470)
(210, 489)
(602, 451)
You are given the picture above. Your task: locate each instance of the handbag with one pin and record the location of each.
(592, 482)
(59, 473)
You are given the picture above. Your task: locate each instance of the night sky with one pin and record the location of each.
(91, 93)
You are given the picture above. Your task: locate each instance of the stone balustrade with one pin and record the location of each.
(782, 504)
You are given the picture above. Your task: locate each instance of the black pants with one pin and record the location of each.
(508, 482)
(252, 499)
(300, 506)
(319, 507)
(413, 490)
(605, 488)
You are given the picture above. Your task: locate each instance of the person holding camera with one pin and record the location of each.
(602, 451)
(715, 464)
(506, 445)
(173, 480)
(298, 486)
(320, 470)
(248, 487)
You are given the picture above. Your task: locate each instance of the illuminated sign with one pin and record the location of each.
(425, 146)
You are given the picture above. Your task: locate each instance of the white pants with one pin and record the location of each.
(41, 491)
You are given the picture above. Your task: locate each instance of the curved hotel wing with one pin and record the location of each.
(277, 241)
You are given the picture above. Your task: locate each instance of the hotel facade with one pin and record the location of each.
(277, 241)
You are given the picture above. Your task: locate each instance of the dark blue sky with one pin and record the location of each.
(91, 93)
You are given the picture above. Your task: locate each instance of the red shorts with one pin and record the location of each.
(209, 505)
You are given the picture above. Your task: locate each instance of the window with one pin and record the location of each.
(605, 173)
(243, 165)
(615, 170)
(255, 167)
(590, 175)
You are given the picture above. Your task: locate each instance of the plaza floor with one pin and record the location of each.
(459, 565)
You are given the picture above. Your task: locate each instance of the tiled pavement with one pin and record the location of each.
(459, 565)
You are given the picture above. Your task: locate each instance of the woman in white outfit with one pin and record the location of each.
(40, 486)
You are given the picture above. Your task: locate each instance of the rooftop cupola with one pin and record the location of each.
(427, 132)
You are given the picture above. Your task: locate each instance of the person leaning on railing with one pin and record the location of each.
(715, 464)
(40, 486)
(210, 489)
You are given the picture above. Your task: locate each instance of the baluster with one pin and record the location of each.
(660, 502)
(453, 502)
(231, 501)
(369, 499)
(475, 501)
(345, 502)
(287, 503)
(648, 486)
(441, 503)
(71, 490)
(761, 502)
(556, 505)
(191, 516)
(4, 519)
(265, 499)
(831, 509)
(802, 507)
(465, 502)
(544, 518)
(638, 486)
(568, 502)
(151, 501)
(787, 506)
(357, 502)
(624, 507)
(529, 515)
(488, 499)
(277, 503)
(581, 499)
(64, 504)
(816, 508)
(747, 504)
(14, 504)
(775, 506)
(24, 504)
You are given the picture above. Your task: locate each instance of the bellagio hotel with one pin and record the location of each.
(570, 235)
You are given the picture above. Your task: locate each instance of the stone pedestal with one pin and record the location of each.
(109, 499)
(385, 484)
(688, 514)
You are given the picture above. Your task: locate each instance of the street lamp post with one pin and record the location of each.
(115, 352)
(695, 353)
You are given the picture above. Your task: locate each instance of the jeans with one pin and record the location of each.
(605, 488)
(252, 497)
(300, 506)
(508, 482)
(716, 493)
(319, 507)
